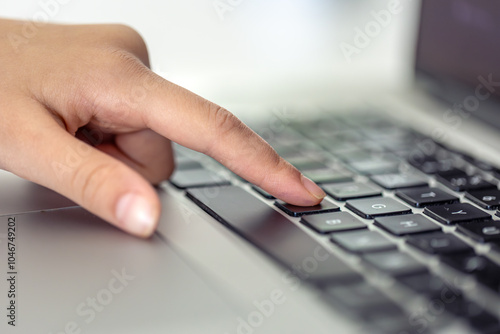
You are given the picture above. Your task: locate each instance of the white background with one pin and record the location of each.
(261, 50)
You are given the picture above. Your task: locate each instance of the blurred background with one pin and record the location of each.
(238, 52)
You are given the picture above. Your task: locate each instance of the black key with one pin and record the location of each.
(456, 213)
(483, 269)
(488, 199)
(422, 197)
(351, 190)
(272, 232)
(461, 181)
(362, 241)
(481, 231)
(378, 206)
(395, 263)
(263, 192)
(438, 243)
(399, 180)
(328, 176)
(297, 211)
(194, 178)
(333, 222)
(406, 224)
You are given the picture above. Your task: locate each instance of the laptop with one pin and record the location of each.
(407, 240)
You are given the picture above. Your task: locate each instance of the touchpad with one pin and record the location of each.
(70, 272)
(18, 195)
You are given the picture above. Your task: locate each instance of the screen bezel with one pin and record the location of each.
(450, 91)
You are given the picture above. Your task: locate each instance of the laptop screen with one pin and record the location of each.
(458, 55)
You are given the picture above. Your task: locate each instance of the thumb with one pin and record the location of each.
(89, 177)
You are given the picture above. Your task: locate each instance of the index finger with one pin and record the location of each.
(196, 123)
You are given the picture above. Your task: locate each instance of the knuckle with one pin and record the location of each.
(222, 124)
(127, 38)
(124, 64)
(123, 59)
(222, 121)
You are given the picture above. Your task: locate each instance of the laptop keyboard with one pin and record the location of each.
(399, 206)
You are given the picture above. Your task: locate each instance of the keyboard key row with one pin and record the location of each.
(261, 224)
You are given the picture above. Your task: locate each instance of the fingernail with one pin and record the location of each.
(312, 187)
(135, 214)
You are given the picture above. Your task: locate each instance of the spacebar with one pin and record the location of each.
(272, 233)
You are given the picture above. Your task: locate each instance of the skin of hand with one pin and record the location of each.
(83, 115)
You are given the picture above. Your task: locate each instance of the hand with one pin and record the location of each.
(82, 114)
